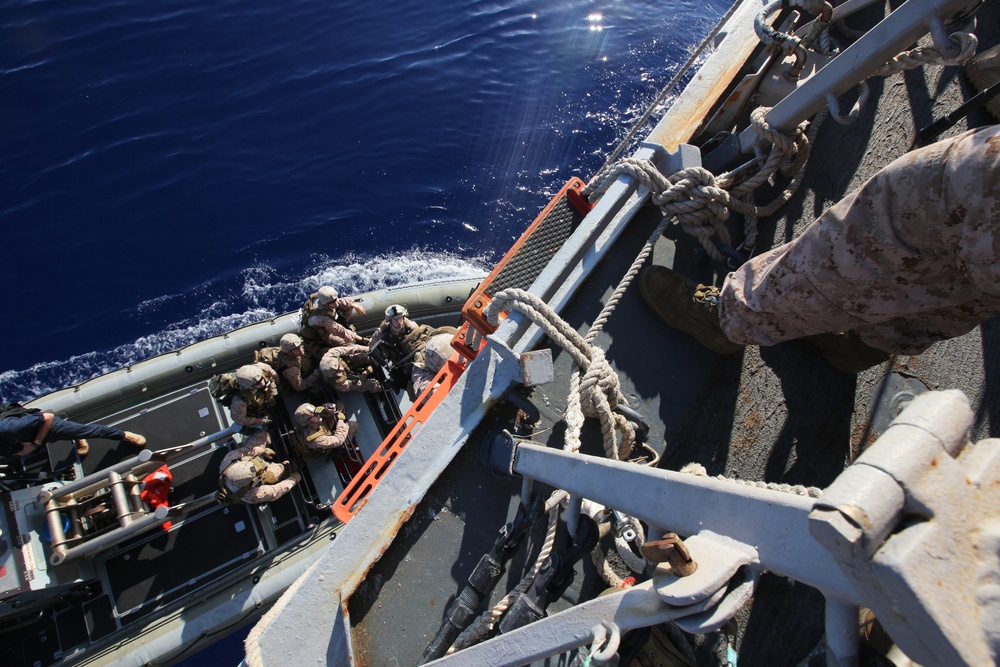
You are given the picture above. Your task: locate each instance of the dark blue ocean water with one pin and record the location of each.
(172, 169)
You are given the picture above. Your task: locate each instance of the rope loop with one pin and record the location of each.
(967, 43)
(700, 201)
(786, 144)
(595, 390)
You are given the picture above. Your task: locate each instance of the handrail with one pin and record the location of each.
(129, 464)
(132, 519)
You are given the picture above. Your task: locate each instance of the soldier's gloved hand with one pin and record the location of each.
(342, 416)
(268, 453)
(296, 477)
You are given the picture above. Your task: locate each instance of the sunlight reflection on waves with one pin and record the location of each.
(261, 296)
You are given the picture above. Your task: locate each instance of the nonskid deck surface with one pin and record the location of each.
(161, 569)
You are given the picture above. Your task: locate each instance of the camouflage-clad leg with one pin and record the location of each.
(908, 259)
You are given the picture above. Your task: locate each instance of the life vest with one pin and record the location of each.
(259, 401)
(282, 361)
(320, 432)
(223, 387)
(303, 362)
(311, 307)
(259, 476)
(326, 427)
(270, 356)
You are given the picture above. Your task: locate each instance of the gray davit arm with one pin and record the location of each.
(910, 530)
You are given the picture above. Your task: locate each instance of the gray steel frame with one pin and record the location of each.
(909, 531)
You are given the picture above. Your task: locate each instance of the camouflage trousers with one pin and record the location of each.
(908, 259)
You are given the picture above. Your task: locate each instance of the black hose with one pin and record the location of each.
(975, 102)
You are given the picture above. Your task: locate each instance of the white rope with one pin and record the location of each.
(794, 489)
(701, 201)
(595, 393)
(928, 55)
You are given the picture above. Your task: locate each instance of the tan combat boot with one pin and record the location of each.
(135, 439)
(686, 306)
(82, 446)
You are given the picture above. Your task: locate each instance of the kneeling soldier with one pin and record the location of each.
(248, 472)
(346, 369)
(324, 427)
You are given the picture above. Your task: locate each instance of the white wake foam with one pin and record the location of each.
(258, 294)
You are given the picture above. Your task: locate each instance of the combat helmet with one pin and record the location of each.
(290, 342)
(437, 351)
(248, 376)
(304, 412)
(241, 475)
(396, 310)
(326, 295)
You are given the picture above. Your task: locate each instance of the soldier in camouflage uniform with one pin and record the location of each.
(249, 472)
(345, 368)
(431, 358)
(326, 315)
(908, 259)
(324, 427)
(392, 332)
(251, 405)
(296, 365)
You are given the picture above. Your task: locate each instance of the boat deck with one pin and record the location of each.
(159, 570)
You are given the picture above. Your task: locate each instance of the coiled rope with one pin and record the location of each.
(595, 393)
(701, 201)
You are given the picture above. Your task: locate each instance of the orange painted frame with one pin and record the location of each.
(477, 303)
(353, 497)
